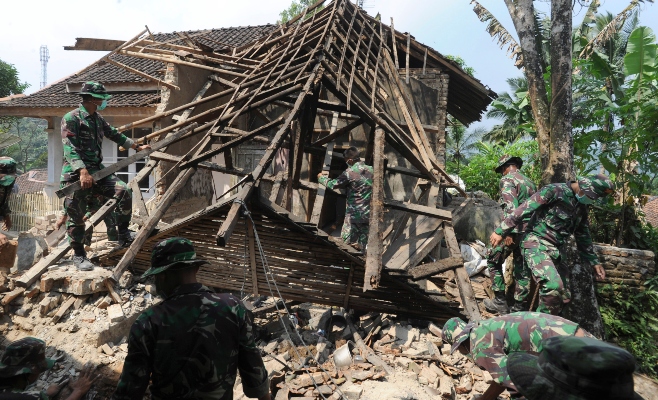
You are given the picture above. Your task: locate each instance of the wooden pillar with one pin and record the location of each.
(252, 256)
(375, 248)
(461, 276)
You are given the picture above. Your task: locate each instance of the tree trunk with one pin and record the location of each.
(560, 168)
(523, 16)
(583, 307)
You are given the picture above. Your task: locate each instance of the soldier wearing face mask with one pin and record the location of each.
(83, 130)
(560, 210)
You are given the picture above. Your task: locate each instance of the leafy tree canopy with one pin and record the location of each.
(296, 8)
(9, 82)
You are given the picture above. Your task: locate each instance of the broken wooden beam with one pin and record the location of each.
(375, 248)
(436, 267)
(461, 277)
(316, 214)
(63, 309)
(39, 268)
(420, 210)
(109, 170)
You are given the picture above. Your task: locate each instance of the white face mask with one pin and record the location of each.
(102, 106)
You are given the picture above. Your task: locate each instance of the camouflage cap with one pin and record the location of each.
(595, 186)
(7, 171)
(456, 331)
(574, 368)
(24, 356)
(507, 159)
(172, 253)
(95, 89)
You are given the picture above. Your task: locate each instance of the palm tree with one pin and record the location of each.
(461, 143)
(513, 108)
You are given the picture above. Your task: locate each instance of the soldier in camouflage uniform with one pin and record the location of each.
(560, 210)
(357, 178)
(574, 368)
(515, 188)
(83, 130)
(7, 179)
(489, 342)
(22, 363)
(191, 345)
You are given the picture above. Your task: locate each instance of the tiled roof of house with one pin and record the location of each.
(651, 211)
(56, 95)
(32, 181)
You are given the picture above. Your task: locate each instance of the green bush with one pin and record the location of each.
(479, 173)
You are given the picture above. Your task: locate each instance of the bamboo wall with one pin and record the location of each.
(25, 208)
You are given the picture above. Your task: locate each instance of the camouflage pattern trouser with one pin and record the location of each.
(355, 232)
(521, 271)
(75, 205)
(553, 280)
(110, 220)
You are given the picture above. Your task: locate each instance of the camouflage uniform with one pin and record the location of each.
(557, 215)
(193, 343)
(574, 368)
(492, 340)
(23, 357)
(8, 169)
(110, 219)
(515, 188)
(82, 137)
(358, 181)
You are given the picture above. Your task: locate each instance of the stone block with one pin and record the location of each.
(107, 349)
(75, 282)
(104, 302)
(29, 251)
(48, 303)
(352, 392)
(447, 388)
(115, 313)
(436, 331)
(126, 279)
(430, 375)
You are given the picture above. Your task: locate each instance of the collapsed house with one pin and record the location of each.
(295, 99)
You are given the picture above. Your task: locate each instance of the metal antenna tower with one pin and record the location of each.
(45, 56)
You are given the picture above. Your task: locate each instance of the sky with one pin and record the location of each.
(449, 26)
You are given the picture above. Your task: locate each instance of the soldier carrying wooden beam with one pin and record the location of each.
(83, 130)
(357, 178)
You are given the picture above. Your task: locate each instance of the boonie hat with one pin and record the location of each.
(507, 159)
(456, 331)
(574, 368)
(7, 171)
(595, 186)
(95, 89)
(173, 253)
(24, 356)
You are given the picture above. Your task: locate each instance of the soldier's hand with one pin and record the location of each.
(495, 239)
(86, 181)
(600, 272)
(323, 173)
(86, 378)
(509, 240)
(53, 390)
(144, 147)
(7, 222)
(61, 221)
(3, 240)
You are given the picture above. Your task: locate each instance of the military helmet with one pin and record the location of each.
(507, 159)
(173, 253)
(595, 186)
(7, 171)
(456, 331)
(95, 89)
(24, 356)
(574, 368)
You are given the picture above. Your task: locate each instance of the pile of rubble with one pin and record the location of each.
(390, 358)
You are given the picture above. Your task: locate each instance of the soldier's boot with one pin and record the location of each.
(82, 263)
(497, 304)
(519, 306)
(126, 238)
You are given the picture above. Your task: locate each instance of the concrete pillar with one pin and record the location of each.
(55, 157)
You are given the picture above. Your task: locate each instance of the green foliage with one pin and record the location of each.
(296, 8)
(515, 112)
(32, 151)
(460, 144)
(630, 321)
(9, 82)
(462, 64)
(479, 173)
